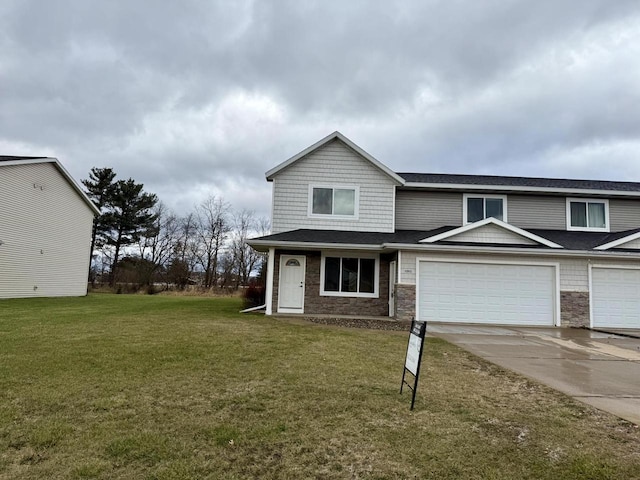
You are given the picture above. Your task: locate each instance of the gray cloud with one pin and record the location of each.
(201, 97)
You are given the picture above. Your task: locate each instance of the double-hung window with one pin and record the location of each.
(479, 207)
(335, 201)
(587, 214)
(349, 276)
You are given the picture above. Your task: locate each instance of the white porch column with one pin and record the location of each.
(269, 285)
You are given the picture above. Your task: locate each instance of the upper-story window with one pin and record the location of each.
(587, 214)
(479, 207)
(335, 201)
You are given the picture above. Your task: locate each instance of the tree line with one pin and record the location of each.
(138, 241)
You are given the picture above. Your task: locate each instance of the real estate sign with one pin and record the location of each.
(414, 349)
(413, 357)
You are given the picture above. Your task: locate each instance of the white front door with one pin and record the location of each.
(291, 285)
(392, 284)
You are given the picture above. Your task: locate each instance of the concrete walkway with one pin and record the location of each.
(597, 368)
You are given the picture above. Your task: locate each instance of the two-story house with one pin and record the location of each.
(352, 237)
(46, 221)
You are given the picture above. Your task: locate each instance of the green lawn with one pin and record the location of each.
(159, 387)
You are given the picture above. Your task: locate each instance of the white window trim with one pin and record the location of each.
(376, 280)
(588, 200)
(465, 196)
(356, 207)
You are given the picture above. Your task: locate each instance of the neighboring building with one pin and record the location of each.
(351, 237)
(45, 229)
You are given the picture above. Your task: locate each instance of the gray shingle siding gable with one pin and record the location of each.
(333, 164)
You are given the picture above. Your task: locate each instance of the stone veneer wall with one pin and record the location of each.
(574, 309)
(316, 304)
(405, 302)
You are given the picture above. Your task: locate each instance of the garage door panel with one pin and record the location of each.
(486, 293)
(615, 297)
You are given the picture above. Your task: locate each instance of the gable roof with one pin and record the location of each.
(10, 160)
(448, 235)
(623, 238)
(532, 184)
(335, 136)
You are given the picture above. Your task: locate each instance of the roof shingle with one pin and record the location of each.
(495, 180)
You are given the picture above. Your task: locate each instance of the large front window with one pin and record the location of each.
(349, 276)
(587, 215)
(479, 207)
(335, 201)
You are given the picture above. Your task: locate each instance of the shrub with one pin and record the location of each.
(253, 296)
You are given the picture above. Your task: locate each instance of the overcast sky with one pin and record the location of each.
(201, 97)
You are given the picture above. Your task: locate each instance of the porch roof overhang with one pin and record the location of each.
(263, 246)
(577, 244)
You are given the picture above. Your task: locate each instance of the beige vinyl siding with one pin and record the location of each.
(625, 214)
(333, 164)
(537, 211)
(491, 234)
(426, 210)
(574, 275)
(45, 227)
(416, 210)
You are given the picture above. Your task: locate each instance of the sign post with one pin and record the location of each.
(414, 357)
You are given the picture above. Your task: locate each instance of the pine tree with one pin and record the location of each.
(129, 218)
(100, 188)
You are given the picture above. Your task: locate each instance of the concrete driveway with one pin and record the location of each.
(597, 368)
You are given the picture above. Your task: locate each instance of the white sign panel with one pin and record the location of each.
(413, 353)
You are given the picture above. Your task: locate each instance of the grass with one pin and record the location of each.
(160, 387)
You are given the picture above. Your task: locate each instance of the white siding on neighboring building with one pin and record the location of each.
(574, 274)
(333, 164)
(45, 230)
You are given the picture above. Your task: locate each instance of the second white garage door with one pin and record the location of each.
(615, 297)
(488, 293)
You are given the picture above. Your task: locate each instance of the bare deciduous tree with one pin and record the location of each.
(158, 245)
(212, 228)
(245, 258)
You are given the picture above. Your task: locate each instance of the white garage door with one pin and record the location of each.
(486, 293)
(615, 297)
